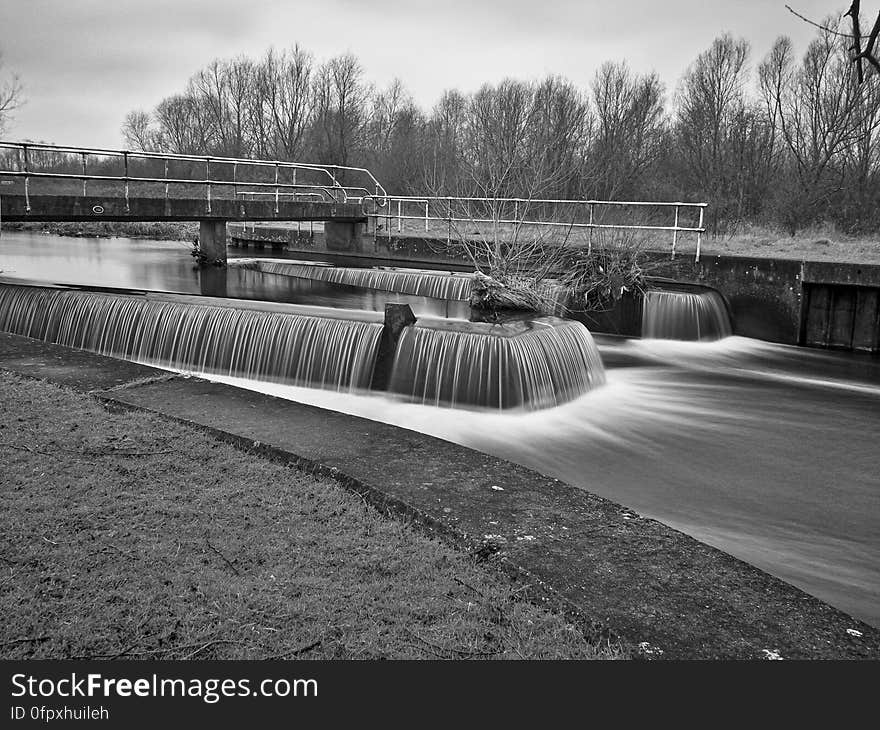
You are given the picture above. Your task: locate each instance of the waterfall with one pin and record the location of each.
(535, 364)
(293, 348)
(685, 315)
(417, 283)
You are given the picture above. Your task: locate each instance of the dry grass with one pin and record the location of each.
(819, 243)
(126, 535)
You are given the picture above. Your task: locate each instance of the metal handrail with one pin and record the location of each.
(142, 154)
(23, 148)
(451, 218)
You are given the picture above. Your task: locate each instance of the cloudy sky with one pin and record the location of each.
(85, 63)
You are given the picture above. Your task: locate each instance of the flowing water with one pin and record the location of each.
(297, 345)
(766, 451)
(685, 315)
(421, 283)
(534, 364)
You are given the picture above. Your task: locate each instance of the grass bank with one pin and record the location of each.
(818, 243)
(128, 535)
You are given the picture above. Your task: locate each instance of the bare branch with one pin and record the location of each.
(818, 25)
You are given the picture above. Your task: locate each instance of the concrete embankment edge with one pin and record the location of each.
(618, 575)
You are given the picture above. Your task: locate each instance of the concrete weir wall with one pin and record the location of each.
(819, 304)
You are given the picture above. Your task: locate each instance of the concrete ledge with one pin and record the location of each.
(76, 208)
(618, 574)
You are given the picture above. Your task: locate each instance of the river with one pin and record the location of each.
(766, 451)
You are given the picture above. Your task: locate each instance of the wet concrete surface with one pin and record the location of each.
(619, 575)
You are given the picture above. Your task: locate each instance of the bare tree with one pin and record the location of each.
(819, 113)
(395, 138)
(137, 131)
(445, 130)
(285, 86)
(563, 125)
(223, 90)
(629, 129)
(341, 97)
(721, 137)
(183, 125)
(859, 53)
(10, 96)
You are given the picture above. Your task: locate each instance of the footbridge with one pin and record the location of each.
(52, 183)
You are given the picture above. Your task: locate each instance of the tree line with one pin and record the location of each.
(786, 141)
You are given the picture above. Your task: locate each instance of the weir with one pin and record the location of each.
(304, 349)
(418, 283)
(684, 315)
(523, 364)
(519, 364)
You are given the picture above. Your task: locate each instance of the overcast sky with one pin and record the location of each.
(86, 63)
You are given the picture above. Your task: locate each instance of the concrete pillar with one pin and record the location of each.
(212, 281)
(212, 241)
(397, 317)
(342, 235)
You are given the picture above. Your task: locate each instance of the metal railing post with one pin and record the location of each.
(675, 232)
(84, 173)
(208, 180)
(276, 188)
(125, 163)
(590, 240)
(426, 216)
(448, 221)
(399, 219)
(699, 234)
(27, 195)
(166, 178)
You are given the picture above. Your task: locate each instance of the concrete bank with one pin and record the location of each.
(620, 575)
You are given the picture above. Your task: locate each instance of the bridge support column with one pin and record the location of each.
(212, 241)
(343, 235)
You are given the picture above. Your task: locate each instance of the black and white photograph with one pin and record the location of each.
(334, 332)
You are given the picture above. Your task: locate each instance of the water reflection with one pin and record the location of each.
(168, 266)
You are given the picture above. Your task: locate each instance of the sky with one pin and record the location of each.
(85, 63)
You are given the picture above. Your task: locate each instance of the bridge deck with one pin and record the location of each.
(52, 208)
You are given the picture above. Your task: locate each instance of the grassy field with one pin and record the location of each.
(127, 535)
(821, 243)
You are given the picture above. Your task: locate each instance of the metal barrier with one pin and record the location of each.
(521, 212)
(27, 168)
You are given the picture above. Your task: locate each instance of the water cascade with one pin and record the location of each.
(419, 283)
(284, 346)
(523, 364)
(685, 315)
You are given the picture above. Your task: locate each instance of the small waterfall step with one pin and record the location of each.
(693, 314)
(526, 364)
(430, 284)
(313, 346)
